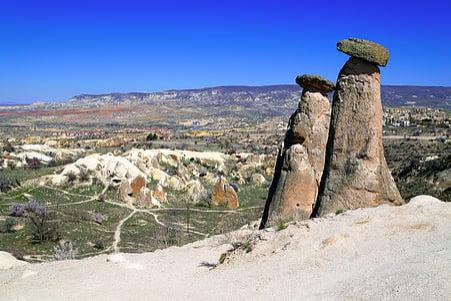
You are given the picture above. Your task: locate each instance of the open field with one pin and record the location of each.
(123, 227)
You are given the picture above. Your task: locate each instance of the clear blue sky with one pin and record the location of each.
(52, 50)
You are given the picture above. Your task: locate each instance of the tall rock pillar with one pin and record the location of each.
(356, 173)
(300, 161)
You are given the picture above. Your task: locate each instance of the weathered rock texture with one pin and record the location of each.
(356, 174)
(365, 50)
(137, 184)
(125, 191)
(315, 82)
(300, 162)
(223, 194)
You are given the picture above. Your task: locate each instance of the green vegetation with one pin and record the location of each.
(339, 211)
(247, 245)
(222, 258)
(24, 174)
(420, 167)
(281, 225)
(151, 137)
(73, 212)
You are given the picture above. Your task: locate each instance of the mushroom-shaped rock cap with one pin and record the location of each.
(315, 82)
(365, 49)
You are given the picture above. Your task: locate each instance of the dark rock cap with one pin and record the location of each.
(365, 49)
(316, 82)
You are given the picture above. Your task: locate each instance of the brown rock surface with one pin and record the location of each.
(315, 82)
(224, 195)
(137, 184)
(125, 191)
(159, 193)
(300, 162)
(356, 174)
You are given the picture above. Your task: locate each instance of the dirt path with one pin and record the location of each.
(17, 196)
(63, 191)
(91, 199)
(400, 137)
(206, 210)
(117, 232)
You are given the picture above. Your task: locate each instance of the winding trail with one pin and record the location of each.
(148, 211)
(206, 210)
(63, 191)
(17, 196)
(91, 199)
(118, 230)
(117, 233)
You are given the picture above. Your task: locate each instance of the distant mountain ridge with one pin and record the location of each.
(393, 96)
(285, 96)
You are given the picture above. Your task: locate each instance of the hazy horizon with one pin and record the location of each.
(25, 102)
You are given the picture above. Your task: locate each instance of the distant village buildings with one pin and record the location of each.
(407, 117)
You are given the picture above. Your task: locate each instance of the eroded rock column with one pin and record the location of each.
(356, 173)
(300, 161)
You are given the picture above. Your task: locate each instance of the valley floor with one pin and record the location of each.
(366, 254)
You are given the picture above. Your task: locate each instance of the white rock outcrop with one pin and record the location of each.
(107, 168)
(8, 261)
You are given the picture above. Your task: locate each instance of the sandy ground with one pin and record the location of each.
(384, 253)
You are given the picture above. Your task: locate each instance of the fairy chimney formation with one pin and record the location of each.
(300, 162)
(356, 173)
(331, 162)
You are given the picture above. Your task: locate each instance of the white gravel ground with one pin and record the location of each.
(384, 253)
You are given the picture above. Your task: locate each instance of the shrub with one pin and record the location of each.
(64, 251)
(52, 163)
(99, 244)
(281, 225)
(247, 246)
(84, 175)
(8, 147)
(201, 198)
(98, 218)
(152, 137)
(43, 225)
(223, 257)
(65, 161)
(17, 210)
(71, 177)
(33, 163)
(339, 211)
(102, 197)
(234, 186)
(11, 164)
(7, 183)
(9, 224)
